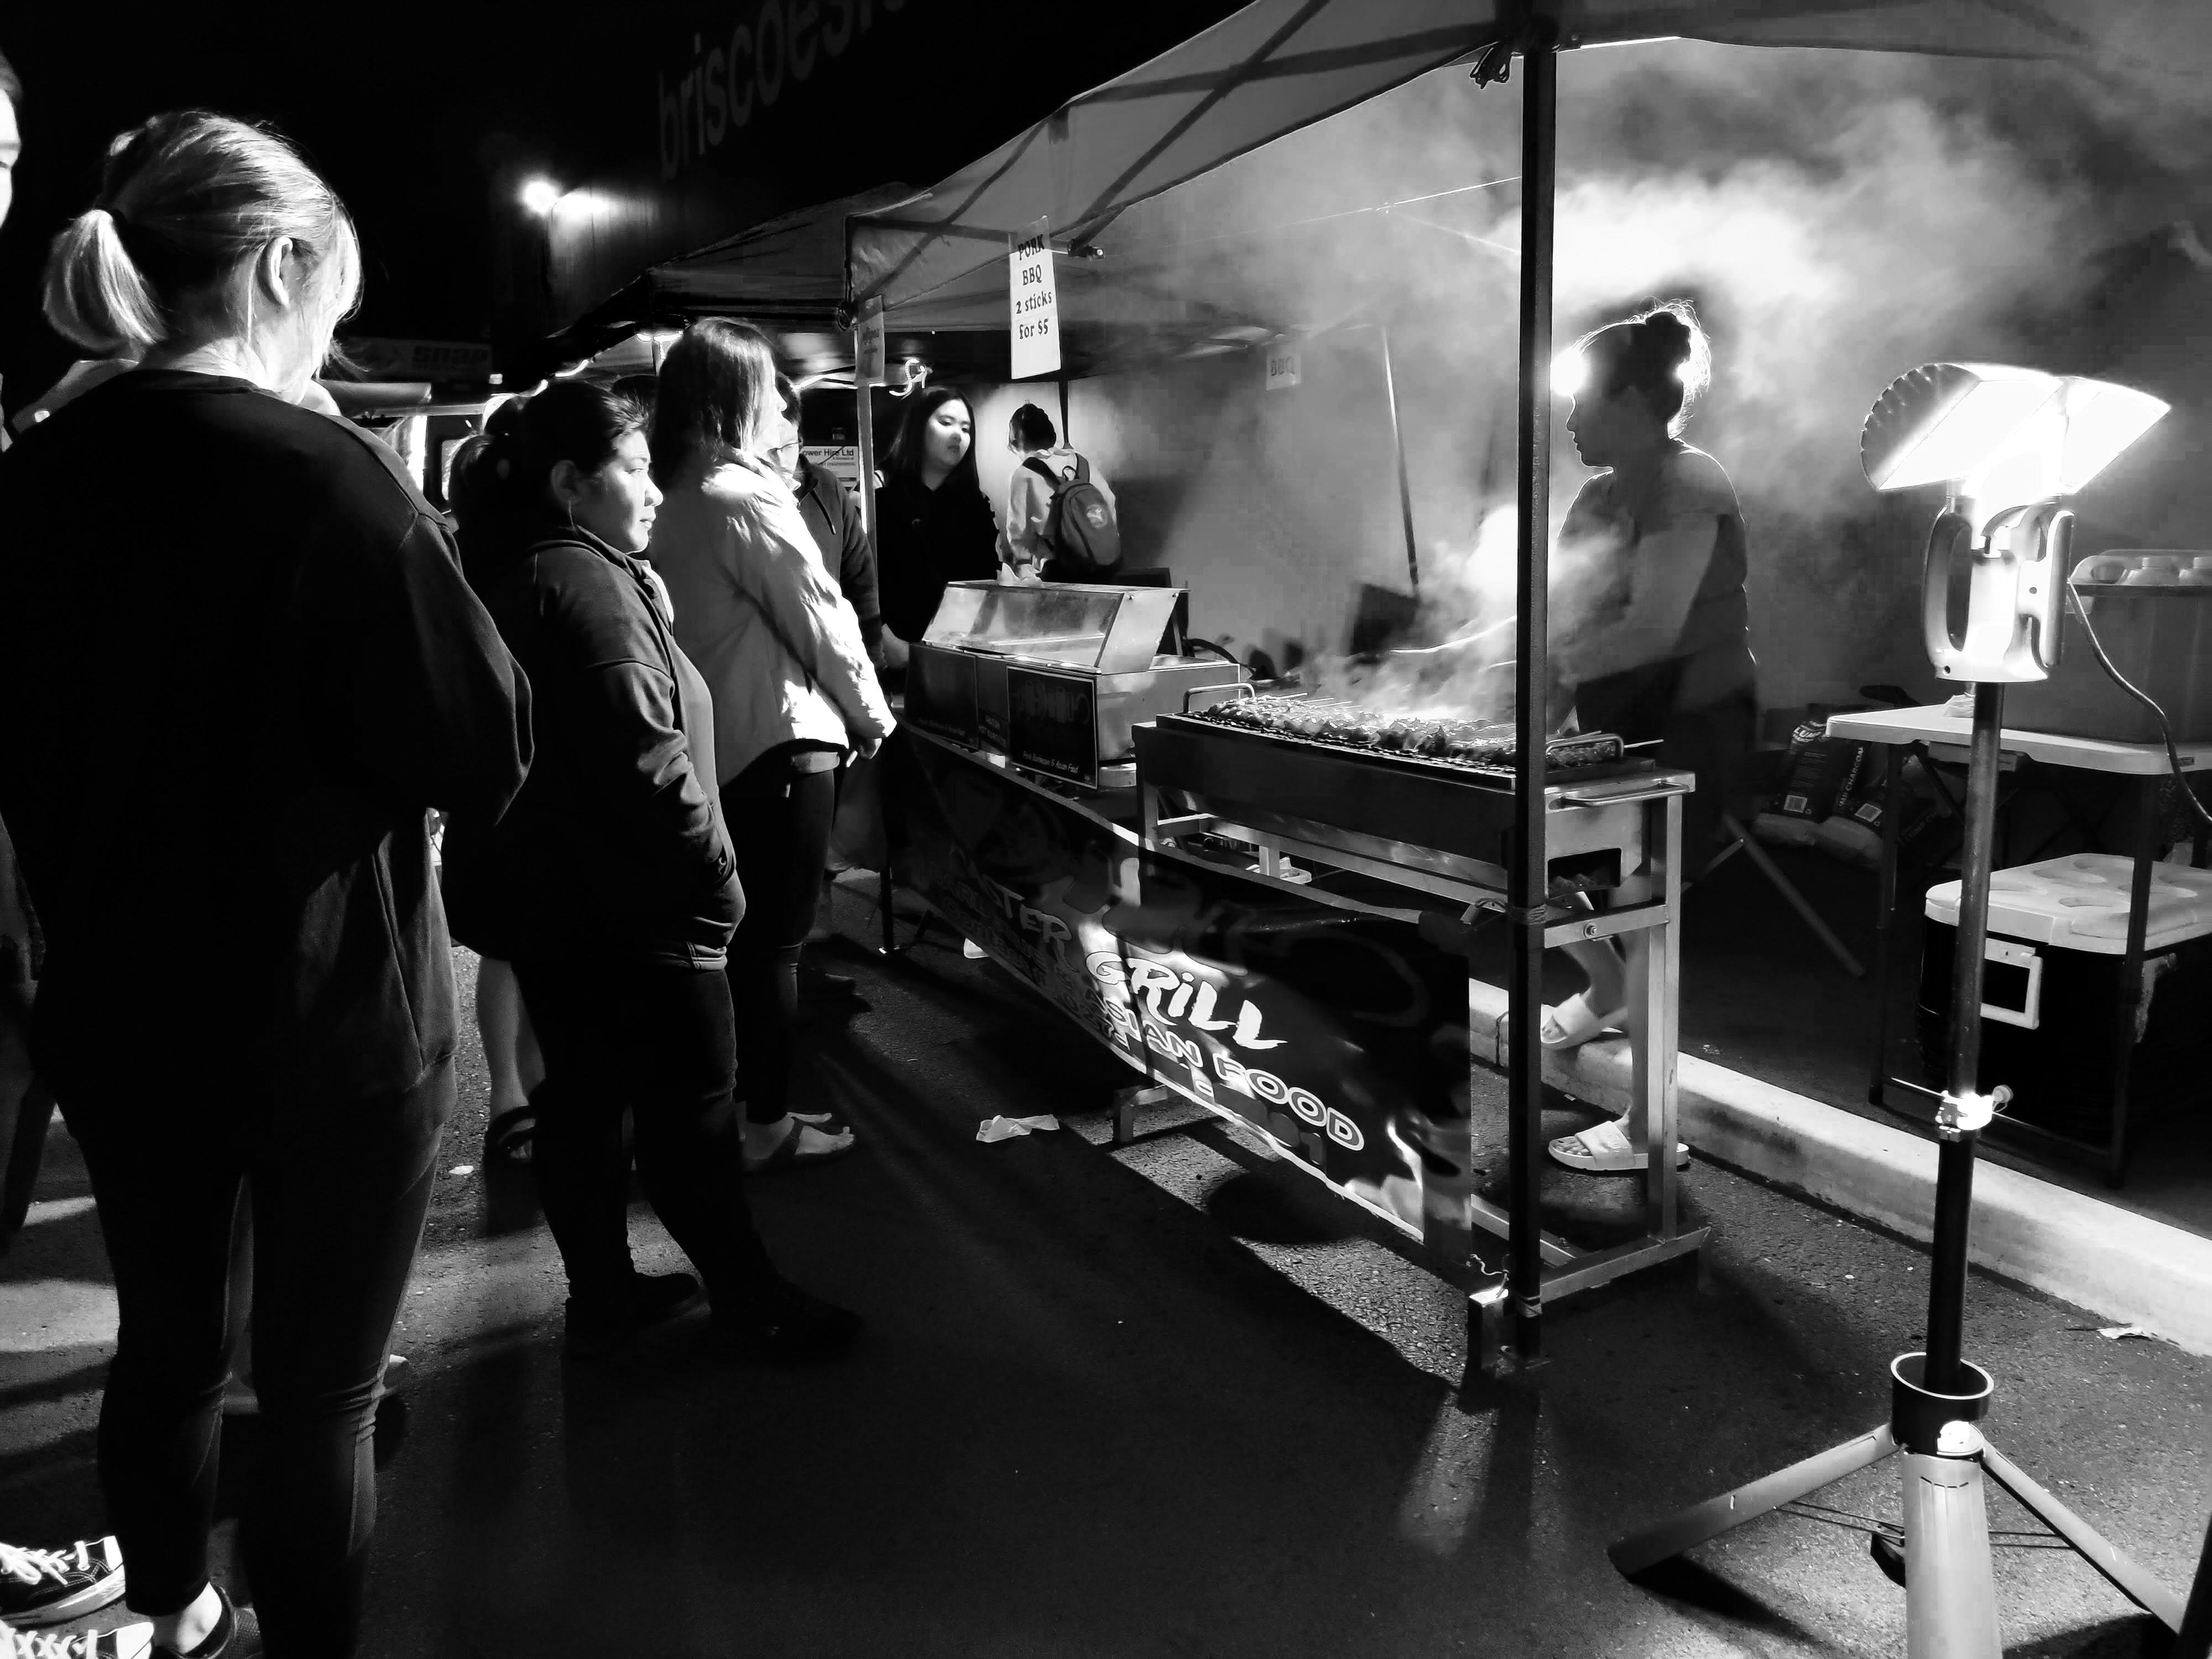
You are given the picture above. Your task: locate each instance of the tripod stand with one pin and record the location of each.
(1936, 1397)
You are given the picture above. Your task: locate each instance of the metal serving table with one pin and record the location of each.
(1938, 736)
(1442, 827)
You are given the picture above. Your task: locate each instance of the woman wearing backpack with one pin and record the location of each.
(1031, 540)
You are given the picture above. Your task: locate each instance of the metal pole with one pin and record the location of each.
(864, 405)
(1955, 1165)
(1528, 889)
(1398, 448)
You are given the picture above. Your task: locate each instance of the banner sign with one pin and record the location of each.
(1329, 1030)
(842, 460)
(1036, 302)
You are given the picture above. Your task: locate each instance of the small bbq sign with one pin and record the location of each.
(1036, 302)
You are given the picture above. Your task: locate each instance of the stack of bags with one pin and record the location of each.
(1830, 797)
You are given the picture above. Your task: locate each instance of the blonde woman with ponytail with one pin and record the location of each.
(248, 985)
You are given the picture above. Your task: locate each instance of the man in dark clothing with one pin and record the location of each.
(834, 519)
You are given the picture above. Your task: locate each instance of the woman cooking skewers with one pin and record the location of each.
(1669, 658)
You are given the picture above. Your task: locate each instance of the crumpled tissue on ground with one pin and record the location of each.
(1006, 1128)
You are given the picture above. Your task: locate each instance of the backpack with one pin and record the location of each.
(1079, 527)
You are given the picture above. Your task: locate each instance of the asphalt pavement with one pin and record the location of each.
(1167, 1399)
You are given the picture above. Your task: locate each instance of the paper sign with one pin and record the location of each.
(1036, 302)
(1282, 368)
(868, 345)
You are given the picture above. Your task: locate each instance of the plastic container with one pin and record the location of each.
(2153, 613)
(2052, 1028)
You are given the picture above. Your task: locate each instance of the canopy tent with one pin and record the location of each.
(938, 262)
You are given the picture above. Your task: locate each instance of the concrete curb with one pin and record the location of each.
(2121, 1266)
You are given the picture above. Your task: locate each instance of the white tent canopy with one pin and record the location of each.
(1277, 66)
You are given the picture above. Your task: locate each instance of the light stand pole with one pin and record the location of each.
(1996, 435)
(1936, 1397)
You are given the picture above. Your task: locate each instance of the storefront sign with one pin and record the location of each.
(1282, 368)
(1322, 1027)
(1036, 302)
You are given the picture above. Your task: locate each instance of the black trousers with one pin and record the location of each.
(338, 1191)
(778, 821)
(657, 1041)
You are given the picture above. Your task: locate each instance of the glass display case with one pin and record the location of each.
(1055, 676)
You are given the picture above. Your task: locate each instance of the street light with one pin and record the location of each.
(540, 195)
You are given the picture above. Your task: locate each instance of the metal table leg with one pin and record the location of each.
(1655, 1017)
(2131, 988)
(1885, 946)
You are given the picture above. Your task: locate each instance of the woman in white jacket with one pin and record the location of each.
(794, 694)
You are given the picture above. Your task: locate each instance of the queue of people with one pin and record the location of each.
(627, 690)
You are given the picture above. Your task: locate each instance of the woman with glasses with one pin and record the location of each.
(759, 611)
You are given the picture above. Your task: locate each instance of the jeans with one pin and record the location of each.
(778, 821)
(657, 1040)
(338, 1191)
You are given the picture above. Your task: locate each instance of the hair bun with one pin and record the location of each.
(1671, 333)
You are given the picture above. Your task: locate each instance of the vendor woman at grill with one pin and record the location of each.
(1665, 653)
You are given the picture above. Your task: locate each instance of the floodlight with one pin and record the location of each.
(540, 195)
(2009, 443)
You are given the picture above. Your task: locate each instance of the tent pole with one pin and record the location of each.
(863, 408)
(1527, 893)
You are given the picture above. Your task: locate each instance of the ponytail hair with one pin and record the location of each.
(1664, 354)
(504, 479)
(185, 202)
(1033, 427)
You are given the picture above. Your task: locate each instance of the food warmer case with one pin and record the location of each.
(1056, 676)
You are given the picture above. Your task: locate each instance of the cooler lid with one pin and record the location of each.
(2080, 902)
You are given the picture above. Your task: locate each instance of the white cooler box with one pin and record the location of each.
(2051, 1027)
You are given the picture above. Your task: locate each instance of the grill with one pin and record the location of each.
(1439, 822)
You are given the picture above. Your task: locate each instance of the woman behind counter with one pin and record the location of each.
(933, 525)
(1669, 658)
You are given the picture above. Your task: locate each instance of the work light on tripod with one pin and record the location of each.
(2010, 445)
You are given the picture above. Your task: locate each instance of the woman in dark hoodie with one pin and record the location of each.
(933, 523)
(610, 884)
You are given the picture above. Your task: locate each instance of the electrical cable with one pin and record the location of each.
(2165, 728)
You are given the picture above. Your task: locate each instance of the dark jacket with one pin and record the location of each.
(238, 662)
(615, 848)
(925, 538)
(834, 520)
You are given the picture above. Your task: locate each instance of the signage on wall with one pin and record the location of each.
(1282, 368)
(420, 360)
(1036, 304)
(843, 461)
(771, 46)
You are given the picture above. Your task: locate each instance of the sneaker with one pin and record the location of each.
(789, 1326)
(127, 1642)
(599, 1325)
(51, 1587)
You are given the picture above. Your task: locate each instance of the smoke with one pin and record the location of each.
(1838, 218)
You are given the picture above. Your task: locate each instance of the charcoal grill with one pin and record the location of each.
(1440, 825)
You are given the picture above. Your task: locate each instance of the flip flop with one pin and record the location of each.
(806, 1144)
(1574, 1021)
(1604, 1150)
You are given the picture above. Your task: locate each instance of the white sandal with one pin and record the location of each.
(1574, 1021)
(1604, 1150)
